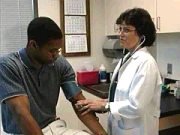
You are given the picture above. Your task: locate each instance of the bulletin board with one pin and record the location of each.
(75, 24)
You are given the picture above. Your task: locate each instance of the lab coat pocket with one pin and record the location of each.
(133, 131)
(126, 123)
(129, 126)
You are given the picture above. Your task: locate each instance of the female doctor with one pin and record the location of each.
(134, 108)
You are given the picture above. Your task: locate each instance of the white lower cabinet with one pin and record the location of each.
(66, 112)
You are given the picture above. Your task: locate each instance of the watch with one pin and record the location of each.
(107, 107)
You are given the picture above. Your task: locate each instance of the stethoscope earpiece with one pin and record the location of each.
(143, 39)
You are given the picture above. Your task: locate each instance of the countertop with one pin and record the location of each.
(169, 104)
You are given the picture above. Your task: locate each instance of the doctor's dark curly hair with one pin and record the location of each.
(141, 20)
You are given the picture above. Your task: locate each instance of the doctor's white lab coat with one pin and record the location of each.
(136, 106)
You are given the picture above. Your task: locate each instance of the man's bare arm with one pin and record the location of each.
(88, 119)
(19, 106)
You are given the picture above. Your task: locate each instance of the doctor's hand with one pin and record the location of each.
(87, 105)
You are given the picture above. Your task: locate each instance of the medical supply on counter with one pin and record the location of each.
(88, 77)
(178, 93)
(102, 74)
(177, 90)
(88, 65)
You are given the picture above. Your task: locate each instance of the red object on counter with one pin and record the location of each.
(87, 77)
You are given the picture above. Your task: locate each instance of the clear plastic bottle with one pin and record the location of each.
(102, 74)
(177, 91)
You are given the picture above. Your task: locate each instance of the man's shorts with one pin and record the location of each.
(58, 127)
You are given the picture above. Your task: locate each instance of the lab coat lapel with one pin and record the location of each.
(113, 83)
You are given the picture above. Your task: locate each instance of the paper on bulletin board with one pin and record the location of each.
(75, 24)
(75, 7)
(75, 43)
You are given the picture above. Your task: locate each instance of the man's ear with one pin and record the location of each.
(33, 44)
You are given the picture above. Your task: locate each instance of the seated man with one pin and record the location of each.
(30, 85)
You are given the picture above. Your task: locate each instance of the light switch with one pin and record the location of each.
(169, 68)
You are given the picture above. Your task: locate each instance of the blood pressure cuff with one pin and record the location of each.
(70, 89)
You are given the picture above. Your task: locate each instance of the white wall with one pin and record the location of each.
(50, 8)
(168, 51)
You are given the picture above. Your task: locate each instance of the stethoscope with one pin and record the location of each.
(124, 59)
(129, 55)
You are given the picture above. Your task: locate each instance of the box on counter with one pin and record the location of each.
(87, 77)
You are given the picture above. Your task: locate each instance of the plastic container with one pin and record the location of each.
(102, 74)
(177, 91)
(87, 77)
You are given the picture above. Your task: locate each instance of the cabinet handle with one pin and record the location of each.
(158, 23)
(153, 19)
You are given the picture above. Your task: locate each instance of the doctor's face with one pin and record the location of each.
(129, 38)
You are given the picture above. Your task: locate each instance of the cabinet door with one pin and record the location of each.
(149, 5)
(113, 8)
(168, 16)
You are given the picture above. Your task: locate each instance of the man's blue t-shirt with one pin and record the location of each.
(19, 77)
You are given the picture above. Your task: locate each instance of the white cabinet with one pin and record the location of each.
(165, 13)
(113, 9)
(168, 16)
